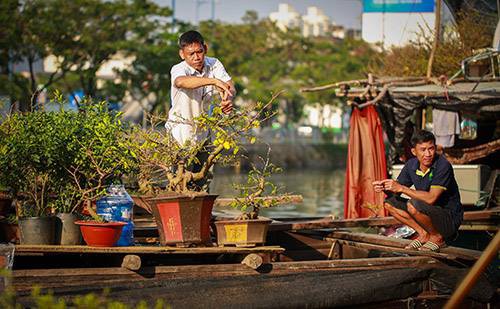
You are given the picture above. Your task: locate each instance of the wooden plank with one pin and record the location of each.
(479, 227)
(293, 290)
(196, 270)
(394, 249)
(34, 249)
(492, 214)
(462, 253)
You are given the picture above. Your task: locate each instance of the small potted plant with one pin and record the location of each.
(249, 230)
(67, 204)
(102, 158)
(171, 189)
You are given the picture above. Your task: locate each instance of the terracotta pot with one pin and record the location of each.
(10, 232)
(98, 234)
(5, 204)
(182, 219)
(242, 233)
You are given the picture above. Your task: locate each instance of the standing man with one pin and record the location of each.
(434, 210)
(193, 83)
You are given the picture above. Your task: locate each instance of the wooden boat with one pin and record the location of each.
(311, 264)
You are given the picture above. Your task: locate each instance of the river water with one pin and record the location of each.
(323, 192)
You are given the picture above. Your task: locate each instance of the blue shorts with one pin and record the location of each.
(442, 218)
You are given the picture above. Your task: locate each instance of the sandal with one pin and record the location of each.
(432, 246)
(414, 245)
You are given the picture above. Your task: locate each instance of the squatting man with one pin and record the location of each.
(434, 209)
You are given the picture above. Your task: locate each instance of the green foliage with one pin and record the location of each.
(33, 154)
(473, 31)
(261, 58)
(80, 35)
(60, 159)
(46, 300)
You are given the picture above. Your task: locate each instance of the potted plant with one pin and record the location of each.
(59, 160)
(172, 190)
(66, 203)
(30, 151)
(249, 230)
(102, 157)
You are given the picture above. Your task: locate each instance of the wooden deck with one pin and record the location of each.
(473, 220)
(21, 250)
(388, 244)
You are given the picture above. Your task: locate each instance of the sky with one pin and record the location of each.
(343, 12)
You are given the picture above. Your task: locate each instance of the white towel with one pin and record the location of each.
(445, 125)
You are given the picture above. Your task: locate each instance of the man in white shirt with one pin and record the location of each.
(194, 81)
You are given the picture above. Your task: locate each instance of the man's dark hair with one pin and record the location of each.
(190, 37)
(422, 136)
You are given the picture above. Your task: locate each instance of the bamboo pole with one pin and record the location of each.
(471, 278)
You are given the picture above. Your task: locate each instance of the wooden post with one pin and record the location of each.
(466, 285)
(253, 261)
(132, 262)
(437, 30)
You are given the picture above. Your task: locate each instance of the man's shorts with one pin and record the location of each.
(441, 218)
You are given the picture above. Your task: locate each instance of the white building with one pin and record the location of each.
(397, 22)
(286, 17)
(315, 22)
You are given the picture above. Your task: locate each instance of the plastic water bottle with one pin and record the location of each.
(117, 205)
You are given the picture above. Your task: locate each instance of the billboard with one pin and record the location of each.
(398, 6)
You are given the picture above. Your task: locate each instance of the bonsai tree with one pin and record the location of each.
(259, 192)
(164, 165)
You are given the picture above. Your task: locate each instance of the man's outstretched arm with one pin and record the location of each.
(429, 197)
(192, 82)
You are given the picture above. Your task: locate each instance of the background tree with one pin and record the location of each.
(472, 32)
(79, 36)
(263, 59)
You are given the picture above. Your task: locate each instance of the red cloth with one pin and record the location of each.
(365, 164)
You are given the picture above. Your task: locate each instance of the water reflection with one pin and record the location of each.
(323, 193)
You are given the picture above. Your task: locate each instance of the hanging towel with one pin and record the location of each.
(445, 126)
(365, 164)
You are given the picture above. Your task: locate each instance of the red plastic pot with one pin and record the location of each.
(98, 234)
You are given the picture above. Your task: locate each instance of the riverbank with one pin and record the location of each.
(297, 156)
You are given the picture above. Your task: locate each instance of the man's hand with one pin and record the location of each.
(378, 186)
(224, 89)
(392, 186)
(227, 106)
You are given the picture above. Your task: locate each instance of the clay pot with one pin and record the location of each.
(242, 233)
(183, 220)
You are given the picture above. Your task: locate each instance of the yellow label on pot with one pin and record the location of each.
(236, 232)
